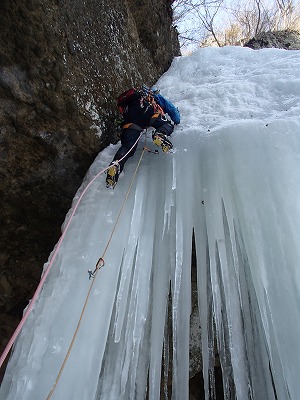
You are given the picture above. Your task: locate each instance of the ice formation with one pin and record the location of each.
(233, 178)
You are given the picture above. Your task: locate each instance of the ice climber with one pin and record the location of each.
(142, 108)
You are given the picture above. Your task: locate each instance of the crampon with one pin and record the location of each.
(161, 140)
(112, 175)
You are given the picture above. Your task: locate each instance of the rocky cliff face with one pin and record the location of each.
(288, 40)
(62, 64)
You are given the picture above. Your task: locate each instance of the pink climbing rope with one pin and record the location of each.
(44, 276)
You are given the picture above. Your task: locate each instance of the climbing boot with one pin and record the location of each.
(161, 140)
(112, 175)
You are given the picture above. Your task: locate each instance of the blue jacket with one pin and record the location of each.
(168, 108)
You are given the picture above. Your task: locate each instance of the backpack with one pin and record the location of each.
(143, 93)
(128, 96)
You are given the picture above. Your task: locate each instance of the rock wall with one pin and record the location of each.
(62, 64)
(288, 40)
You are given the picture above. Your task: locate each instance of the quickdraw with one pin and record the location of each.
(100, 264)
(151, 151)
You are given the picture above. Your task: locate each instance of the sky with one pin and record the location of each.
(189, 24)
(225, 14)
(233, 178)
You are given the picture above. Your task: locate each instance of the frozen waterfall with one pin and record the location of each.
(233, 179)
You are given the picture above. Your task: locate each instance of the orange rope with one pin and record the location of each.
(50, 264)
(99, 264)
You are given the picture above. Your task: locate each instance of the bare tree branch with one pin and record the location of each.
(215, 21)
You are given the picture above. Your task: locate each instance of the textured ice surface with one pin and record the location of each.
(234, 178)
